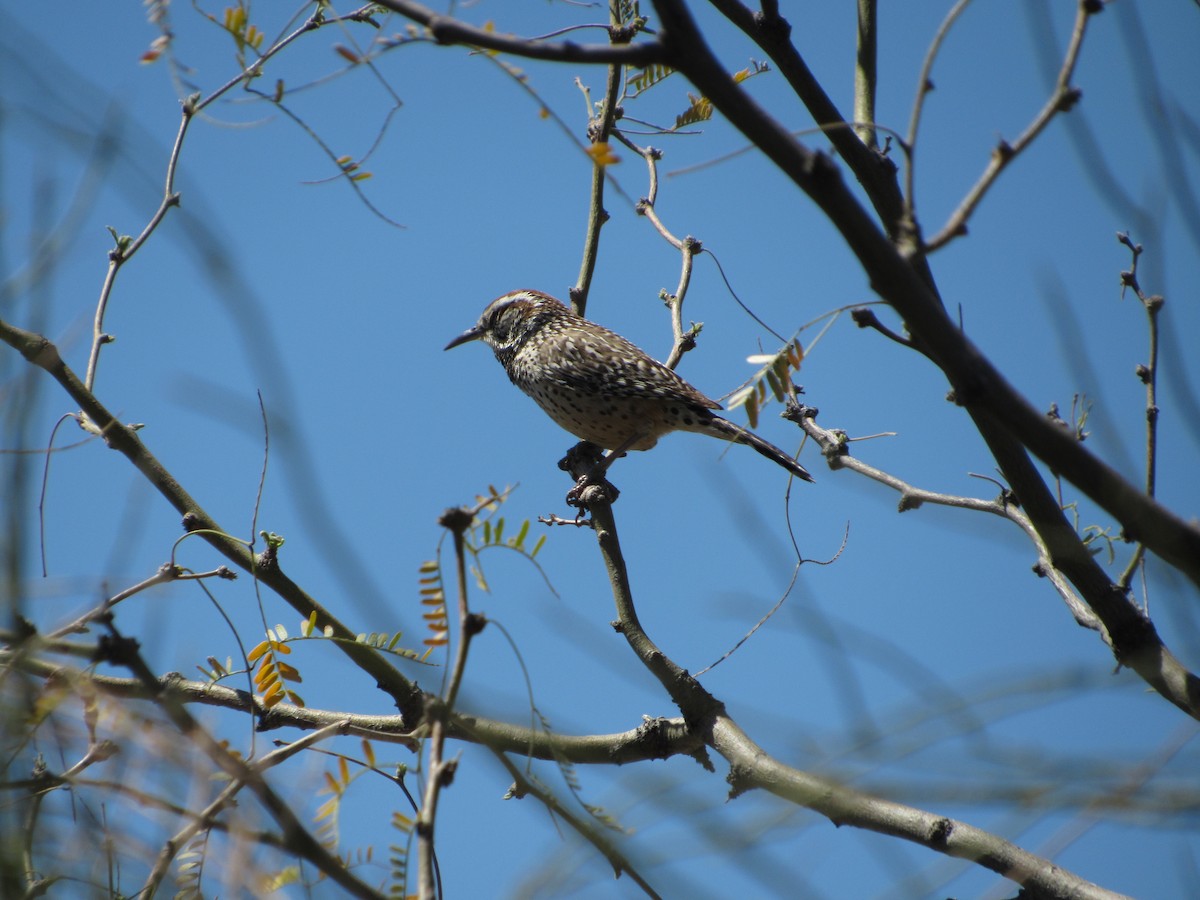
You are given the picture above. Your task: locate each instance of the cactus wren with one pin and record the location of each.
(596, 384)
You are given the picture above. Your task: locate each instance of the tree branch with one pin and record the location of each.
(655, 738)
(752, 767)
(42, 353)
(1061, 100)
(1008, 422)
(448, 30)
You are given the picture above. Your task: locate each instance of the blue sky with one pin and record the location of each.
(265, 280)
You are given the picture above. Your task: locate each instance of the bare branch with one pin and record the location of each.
(1061, 100)
(448, 30)
(1007, 421)
(751, 767)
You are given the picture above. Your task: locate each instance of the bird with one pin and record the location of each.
(596, 384)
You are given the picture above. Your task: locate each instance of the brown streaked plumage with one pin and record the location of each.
(596, 384)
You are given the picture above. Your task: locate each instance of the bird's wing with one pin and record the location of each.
(596, 359)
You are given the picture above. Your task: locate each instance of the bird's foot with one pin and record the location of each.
(589, 489)
(587, 464)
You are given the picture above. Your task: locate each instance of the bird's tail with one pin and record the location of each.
(766, 448)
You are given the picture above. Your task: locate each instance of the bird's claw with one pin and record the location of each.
(590, 488)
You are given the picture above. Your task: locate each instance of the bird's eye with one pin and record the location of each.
(504, 323)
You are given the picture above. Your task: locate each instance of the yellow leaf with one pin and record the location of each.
(331, 784)
(272, 697)
(258, 651)
(327, 809)
(752, 409)
(602, 155)
(267, 680)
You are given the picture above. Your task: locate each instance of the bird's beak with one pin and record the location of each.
(474, 333)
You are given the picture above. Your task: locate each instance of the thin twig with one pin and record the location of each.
(126, 247)
(688, 247)
(208, 815)
(835, 445)
(448, 30)
(600, 127)
(122, 651)
(752, 767)
(865, 81)
(1062, 98)
(41, 352)
(924, 86)
(1148, 373)
(526, 786)
(441, 770)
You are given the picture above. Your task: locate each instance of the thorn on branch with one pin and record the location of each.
(772, 25)
(820, 165)
(797, 412)
(1069, 98)
(864, 317)
(474, 624)
(1053, 415)
(515, 792)
(1135, 249)
(269, 558)
(940, 834)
